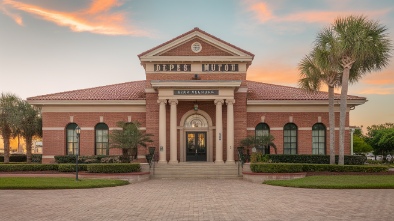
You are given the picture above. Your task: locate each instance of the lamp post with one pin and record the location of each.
(78, 131)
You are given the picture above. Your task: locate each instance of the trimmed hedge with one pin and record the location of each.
(86, 159)
(35, 158)
(71, 167)
(91, 168)
(296, 168)
(27, 167)
(114, 168)
(310, 159)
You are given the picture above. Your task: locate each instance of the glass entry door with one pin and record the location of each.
(196, 146)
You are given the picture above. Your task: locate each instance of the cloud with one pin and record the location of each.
(264, 13)
(17, 18)
(377, 90)
(274, 73)
(382, 78)
(98, 18)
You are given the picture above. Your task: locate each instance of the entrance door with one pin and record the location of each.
(196, 146)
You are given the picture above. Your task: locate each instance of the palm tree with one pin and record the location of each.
(129, 138)
(359, 46)
(29, 124)
(315, 69)
(8, 105)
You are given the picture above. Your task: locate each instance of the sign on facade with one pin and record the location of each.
(196, 92)
(172, 67)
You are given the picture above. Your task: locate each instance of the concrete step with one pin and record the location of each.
(195, 170)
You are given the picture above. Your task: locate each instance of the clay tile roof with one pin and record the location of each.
(263, 91)
(125, 91)
(195, 29)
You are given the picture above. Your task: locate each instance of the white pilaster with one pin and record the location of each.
(230, 130)
(173, 132)
(219, 131)
(162, 131)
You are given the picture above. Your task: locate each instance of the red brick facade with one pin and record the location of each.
(254, 103)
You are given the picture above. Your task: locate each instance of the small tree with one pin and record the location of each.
(128, 138)
(259, 142)
(8, 110)
(29, 124)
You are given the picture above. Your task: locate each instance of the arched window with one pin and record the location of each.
(71, 139)
(102, 141)
(262, 129)
(318, 139)
(290, 139)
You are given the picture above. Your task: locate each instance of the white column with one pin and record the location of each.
(219, 131)
(173, 132)
(162, 131)
(230, 130)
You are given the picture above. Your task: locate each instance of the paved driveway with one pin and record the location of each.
(191, 199)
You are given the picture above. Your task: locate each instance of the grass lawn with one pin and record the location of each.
(338, 182)
(56, 183)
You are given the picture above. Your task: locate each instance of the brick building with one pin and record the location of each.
(196, 102)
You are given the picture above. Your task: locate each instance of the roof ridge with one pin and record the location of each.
(186, 33)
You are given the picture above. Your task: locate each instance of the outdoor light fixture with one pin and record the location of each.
(195, 106)
(78, 132)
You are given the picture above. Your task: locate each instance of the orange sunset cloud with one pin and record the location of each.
(263, 13)
(96, 19)
(377, 90)
(385, 77)
(274, 74)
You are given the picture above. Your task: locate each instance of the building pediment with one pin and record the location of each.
(196, 45)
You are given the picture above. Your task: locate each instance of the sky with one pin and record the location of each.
(49, 46)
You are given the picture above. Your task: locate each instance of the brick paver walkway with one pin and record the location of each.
(197, 199)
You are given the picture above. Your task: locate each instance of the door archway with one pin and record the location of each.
(196, 136)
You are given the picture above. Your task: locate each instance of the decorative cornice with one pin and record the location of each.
(194, 83)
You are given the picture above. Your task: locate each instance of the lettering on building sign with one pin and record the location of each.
(172, 67)
(196, 92)
(220, 67)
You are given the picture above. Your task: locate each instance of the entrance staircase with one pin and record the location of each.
(195, 170)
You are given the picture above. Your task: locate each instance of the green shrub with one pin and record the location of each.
(27, 167)
(111, 159)
(71, 167)
(65, 159)
(294, 168)
(114, 168)
(275, 168)
(311, 159)
(35, 158)
(83, 159)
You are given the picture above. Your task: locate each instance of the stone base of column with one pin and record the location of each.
(219, 162)
(172, 162)
(230, 161)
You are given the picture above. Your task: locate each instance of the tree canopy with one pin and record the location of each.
(129, 138)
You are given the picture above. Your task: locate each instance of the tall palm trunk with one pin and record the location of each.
(28, 149)
(331, 116)
(6, 139)
(342, 116)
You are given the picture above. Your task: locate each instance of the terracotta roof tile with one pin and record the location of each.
(195, 29)
(264, 91)
(125, 91)
(136, 91)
